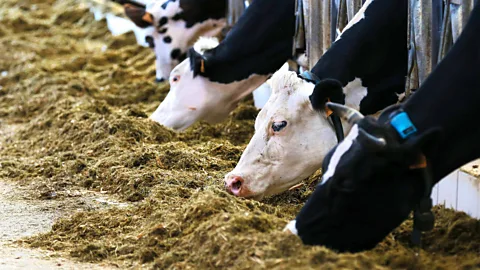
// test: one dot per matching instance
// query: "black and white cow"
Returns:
(210, 83)
(291, 138)
(178, 24)
(372, 180)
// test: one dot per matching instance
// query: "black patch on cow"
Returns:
(197, 11)
(176, 53)
(163, 20)
(196, 61)
(164, 5)
(373, 50)
(162, 30)
(149, 40)
(259, 43)
(177, 16)
(167, 39)
(183, 56)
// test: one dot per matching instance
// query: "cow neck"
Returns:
(449, 100)
(194, 11)
(259, 43)
(373, 50)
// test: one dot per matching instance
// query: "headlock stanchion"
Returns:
(322, 19)
(318, 26)
(433, 27)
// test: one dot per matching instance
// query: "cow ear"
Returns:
(327, 90)
(197, 62)
(138, 15)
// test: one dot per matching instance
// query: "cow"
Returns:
(178, 24)
(210, 83)
(369, 59)
(380, 172)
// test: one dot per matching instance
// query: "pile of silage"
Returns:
(79, 100)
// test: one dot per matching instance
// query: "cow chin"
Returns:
(261, 185)
(176, 120)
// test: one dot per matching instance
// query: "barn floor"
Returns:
(78, 100)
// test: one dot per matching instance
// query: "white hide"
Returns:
(181, 37)
(193, 99)
(275, 161)
(292, 227)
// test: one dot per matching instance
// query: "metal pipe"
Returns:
(235, 10)
(342, 19)
(318, 26)
(459, 12)
(353, 6)
(446, 33)
(422, 33)
(299, 39)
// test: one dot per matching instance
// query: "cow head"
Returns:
(173, 35)
(290, 140)
(370, 184)
(193, 97)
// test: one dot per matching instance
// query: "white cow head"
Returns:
(172, 36)
(289, 144)
(193, 98)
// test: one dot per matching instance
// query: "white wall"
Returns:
(460, 190)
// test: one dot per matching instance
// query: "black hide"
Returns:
(197, 11)
(373, 50)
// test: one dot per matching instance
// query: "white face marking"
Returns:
(358, 17)
(177, 35)
(275, 161)
(341, 149)
(292, 227)
(192, 99)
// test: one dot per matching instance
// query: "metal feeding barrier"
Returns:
(433, 27)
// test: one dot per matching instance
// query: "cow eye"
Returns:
(277, 126)
(176, 78)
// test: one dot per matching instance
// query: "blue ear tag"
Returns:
(401, 122)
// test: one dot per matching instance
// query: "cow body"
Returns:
(258, 45)
(177, 25)
(369, 60)
(373, 179)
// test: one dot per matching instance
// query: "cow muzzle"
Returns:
(235, 185)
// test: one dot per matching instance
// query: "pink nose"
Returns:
(233, 184)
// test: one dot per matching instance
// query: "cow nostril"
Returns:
(236, 184)
(159, 80)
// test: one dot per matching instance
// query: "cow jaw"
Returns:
(276, 160)
(192, 99)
